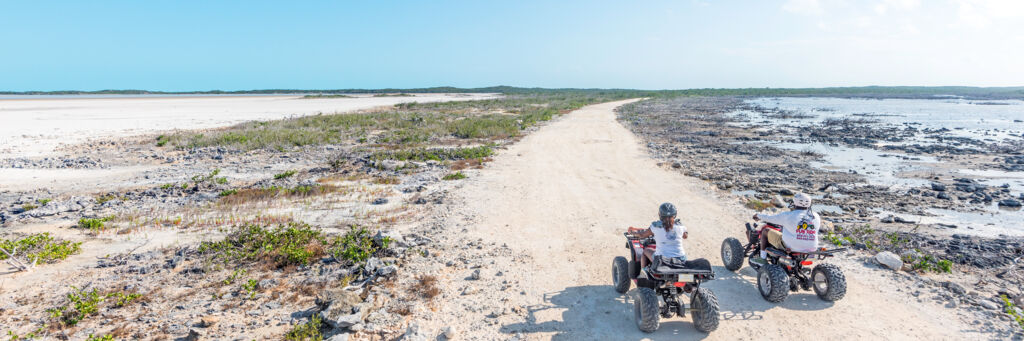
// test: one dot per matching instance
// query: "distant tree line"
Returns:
(860, 92)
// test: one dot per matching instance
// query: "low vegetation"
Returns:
(81, 304)
(1012, 310)
(95, 225)
(210, 178)
(405, 126)
(434, 154)
(868, 238)
(284, 175)
(289, 244)
(326, 96)
(38, 248)
(309, 331)
(239, 196)
(454, 176)
(427, 286)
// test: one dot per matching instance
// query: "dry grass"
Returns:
(246, 195)
(477, 163)
(427, 286)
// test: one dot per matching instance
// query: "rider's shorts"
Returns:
(775, 238)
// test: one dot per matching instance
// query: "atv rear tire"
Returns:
(773, 283)
(732, 254)
(705, 310)
(634, 269)
(646, 310)
(620, 274)
(828, 282)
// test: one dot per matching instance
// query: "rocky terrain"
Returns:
(697, 137)
(366, 238)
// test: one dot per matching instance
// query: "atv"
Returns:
(668, 281)
(785, 270)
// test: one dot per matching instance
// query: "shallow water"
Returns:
(962, 118)
(965, 118)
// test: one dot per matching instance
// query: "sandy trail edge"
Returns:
(562, 197)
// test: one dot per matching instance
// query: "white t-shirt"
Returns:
(670, 243)
(799, 228)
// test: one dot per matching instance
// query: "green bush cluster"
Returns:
(435, 154)
(286, 174)
(931, 263)
(209, 178)
(454, 176)
(1012, 310)
(82, 304)
(162, 140)
(291, 244)
(40, 247)
(309, 331)
(94, 224)
(357, 245)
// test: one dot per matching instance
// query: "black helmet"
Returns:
(667, 210)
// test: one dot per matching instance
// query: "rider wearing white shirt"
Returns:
(668, 236)
(799, 227)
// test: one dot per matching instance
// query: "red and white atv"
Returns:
(668, 282)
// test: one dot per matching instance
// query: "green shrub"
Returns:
(1012, 310)
(40, 247)
(121, 299)
(291, 244)
(29, 207)
(435, 154)
(356, 246)
(228, 192)
(105, 198)
(309, 331)
(284, 175)
(43, 202)
(162, 140)
(94, 224)
(209, 178)
(250, 287)
(758, 205)
(166, 186)
(81, 304)
(933, 264)
(454, 176)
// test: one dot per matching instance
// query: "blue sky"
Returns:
(203, 45)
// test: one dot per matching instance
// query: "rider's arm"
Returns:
(778, 219)
(639, 232)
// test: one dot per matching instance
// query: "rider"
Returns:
(668, 236)
(799, 228)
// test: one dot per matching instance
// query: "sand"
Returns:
(34, 127)
(562, 198)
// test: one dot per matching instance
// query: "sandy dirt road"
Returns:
(559, 200)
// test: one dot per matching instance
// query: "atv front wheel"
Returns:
(829, 282)
(773, 282)
(732, 254)
(620, 274)
(646, 310)
(705, 310)
(634, 269)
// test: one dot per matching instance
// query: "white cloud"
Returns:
(803, 7)
(983, 14)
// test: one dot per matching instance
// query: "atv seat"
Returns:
(699, 266)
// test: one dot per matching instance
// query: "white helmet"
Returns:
(802, 200)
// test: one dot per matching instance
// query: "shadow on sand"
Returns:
(598, 312)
